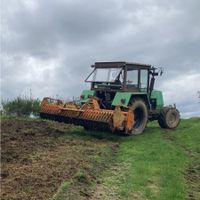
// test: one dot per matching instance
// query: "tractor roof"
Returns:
(120, 64)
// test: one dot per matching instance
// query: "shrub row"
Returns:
(21, 107)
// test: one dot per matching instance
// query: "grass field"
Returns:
(159, 164)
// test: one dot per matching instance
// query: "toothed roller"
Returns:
(89, 115)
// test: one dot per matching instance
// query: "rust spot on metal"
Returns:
(118, 118)
(130, 120)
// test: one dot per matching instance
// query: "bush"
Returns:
(21, 107)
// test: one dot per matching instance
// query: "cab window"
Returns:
(143, 79)
(132, 78)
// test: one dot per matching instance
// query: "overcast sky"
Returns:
(48, 45)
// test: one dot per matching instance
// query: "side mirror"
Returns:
(152, 82)
(161, 71)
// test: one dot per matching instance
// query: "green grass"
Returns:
(3, 116)
(153, 165)
(61, 191)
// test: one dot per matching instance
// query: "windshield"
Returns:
(107, 75)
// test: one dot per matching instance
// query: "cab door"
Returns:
(143, 80)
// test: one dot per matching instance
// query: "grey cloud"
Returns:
(55, 23)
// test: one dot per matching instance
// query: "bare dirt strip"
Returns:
(37, 157)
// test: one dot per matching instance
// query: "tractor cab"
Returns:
(121, 76)
(109, 80)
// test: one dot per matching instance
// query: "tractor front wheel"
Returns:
(169, 118)
(140, 116)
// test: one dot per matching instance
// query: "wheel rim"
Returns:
(173, 119)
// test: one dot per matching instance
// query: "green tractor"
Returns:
(122, 97)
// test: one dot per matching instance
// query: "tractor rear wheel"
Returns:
(169, 118)
(140, 116)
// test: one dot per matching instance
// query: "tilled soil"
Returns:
(38, 156)
(193, 180)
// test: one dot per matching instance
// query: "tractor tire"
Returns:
(169, 118)
(141, 116)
